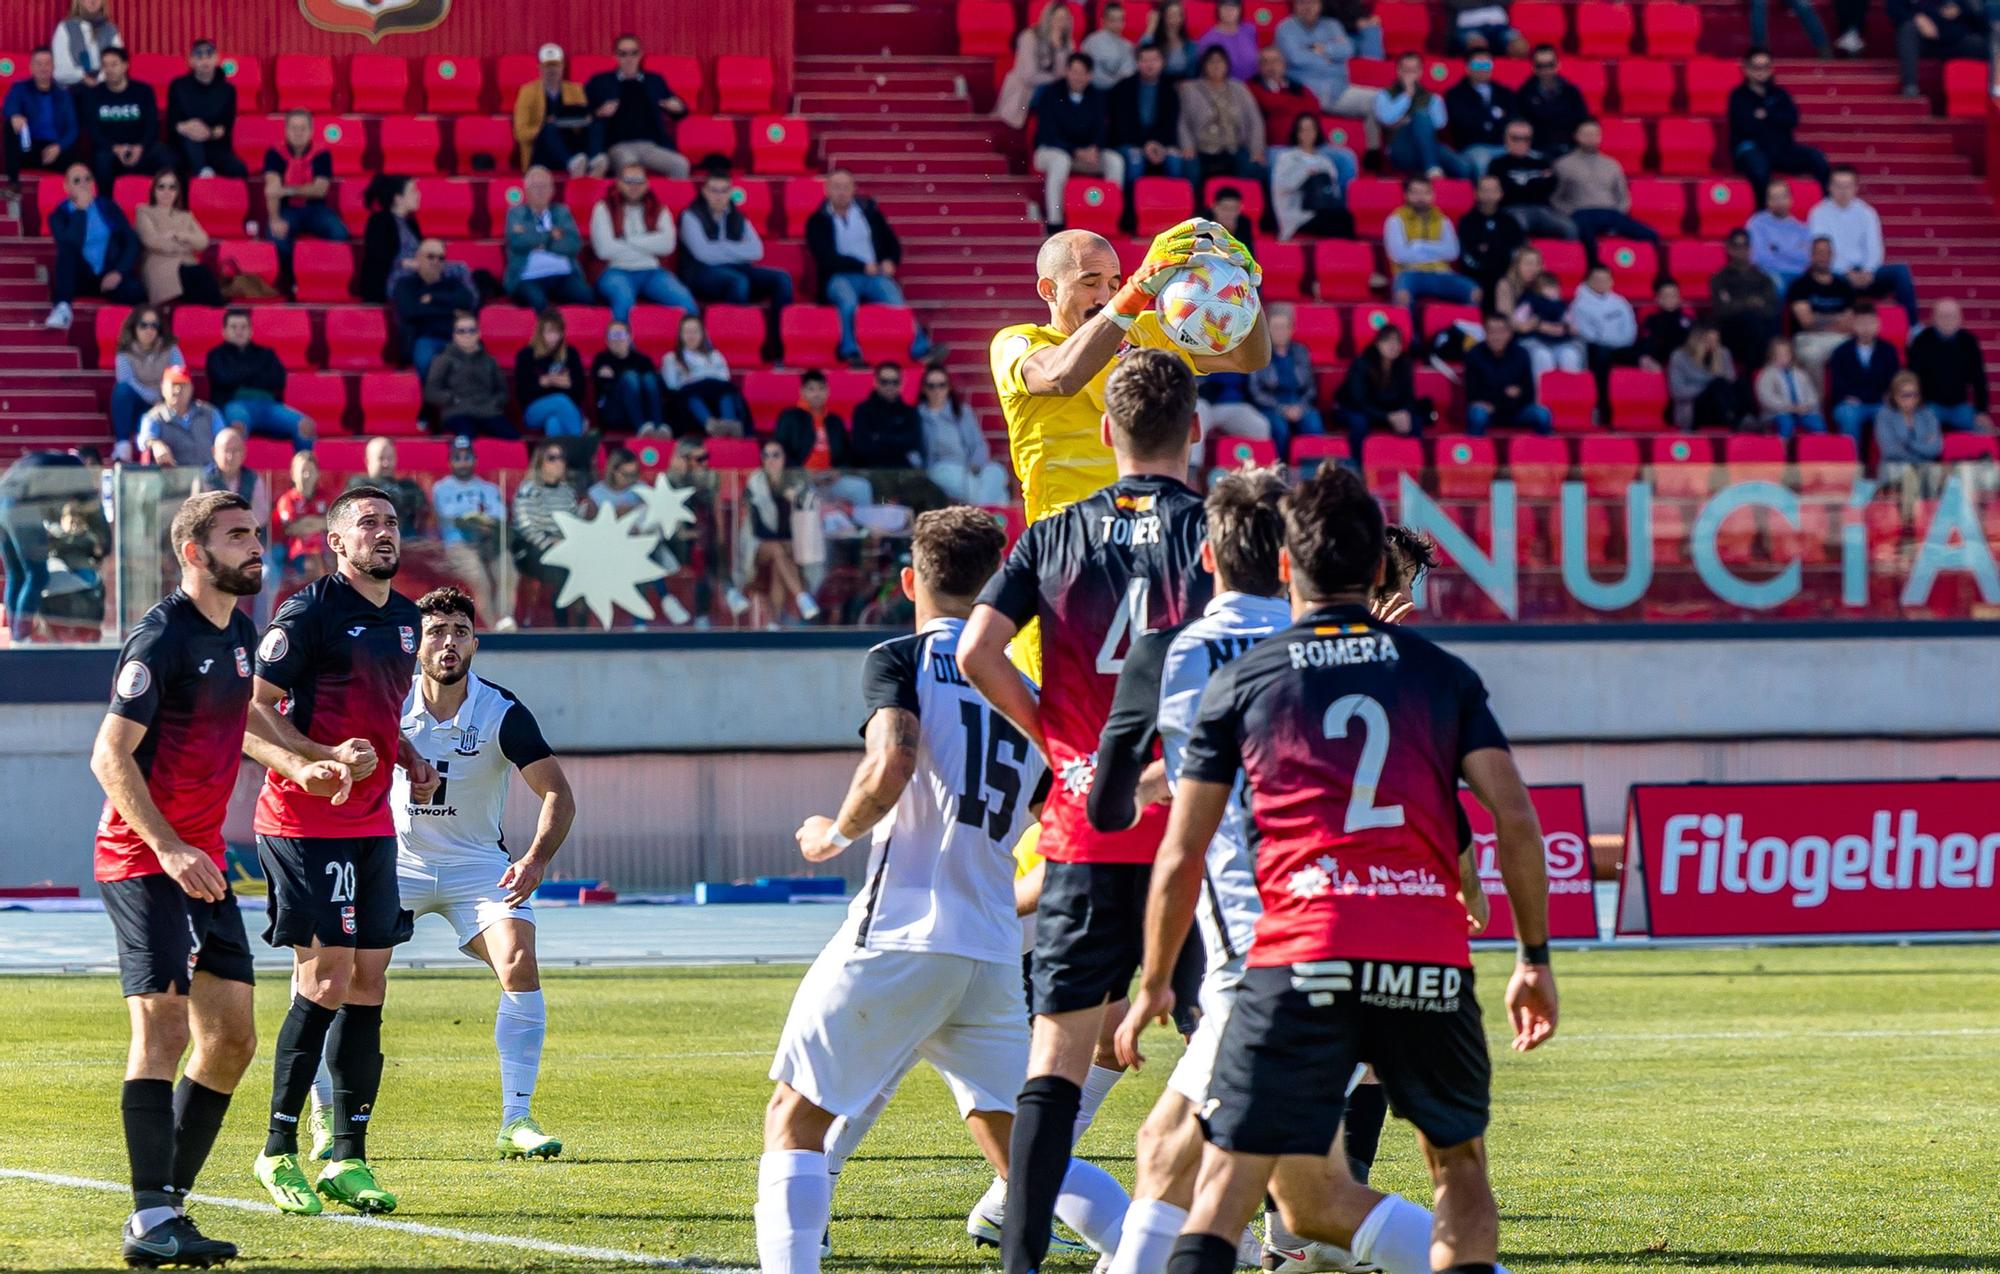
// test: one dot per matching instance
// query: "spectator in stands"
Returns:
(1308, 183)
(466, 386)
(618, 489)
(1952, 370)
(1666, 328)
(1378, 394)
(1500, 384)
(1941, 29)
(1412, 118)
(1479, 112)
(1284, 388)
(180, 429)
(549, 380)
(298, 176)
(1609, 329)
(886, 432)
(201, 115)
(632, 233)
(544, 492)
(1487, 237)
(1145, 109)
(298, 524)
(698, 375)
(122, 119)
(767, 560)
(1847, 219)
(1542, 322)
(1787, 398)
(630, 107)
(1231, 35)
(1780, 244)
(1041, 54)
(720, 250)
(1422, 246)
(390, 239)
(1822, 306)
(1762, 120)
(1760, 23)
(543, 245)
(42, 128)
(247, 382)
(956, 454)
(1528, 185)
(1591, 192)
(1553, 107)
(1518, 283)
(812, 436)
(470, 513)
(1227, 212)
(1480, 26)
(1746, 304)
(856, 255)
(405, 495)
(146, 349)
(1223, 408)
(552, 118)
(97, 253)
(80, 40)
(427, 305)
(1167, 31)
(1859, 372)
(1111, 54)
(1283, 99)
(1073, 134)
(1701, 381)
(1317, 49)
(174, 242)
(225, 472)
(1906, 431)
(631, 397)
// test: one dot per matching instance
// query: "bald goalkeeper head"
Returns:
(1076, 272)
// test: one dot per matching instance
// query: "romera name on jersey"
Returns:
(1348, 644)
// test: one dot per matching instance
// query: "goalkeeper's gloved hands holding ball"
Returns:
(1171, 251)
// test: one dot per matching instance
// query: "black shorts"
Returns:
(164, 936)
(1297, 1031)
(340, 890)
(1090, 934)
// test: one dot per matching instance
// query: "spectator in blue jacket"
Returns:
(41, 120)
(97, 251)
(1284, 388)
(542, 247)
(1858, 374)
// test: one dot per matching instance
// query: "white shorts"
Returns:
(465, 891)
(860, 1015)
(1217, 996)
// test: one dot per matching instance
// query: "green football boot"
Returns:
(352, 1182)
(287, 1184)
(523, 1138)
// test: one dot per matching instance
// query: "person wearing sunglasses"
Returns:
(427, 302)
(1906, 431)
(543, 493)
(1552, 105)
(97, 251)
(146, 349)
(174, 242)
(467, 387)
(630, 107)
(886, 432)
(632, 233)
(960, 461)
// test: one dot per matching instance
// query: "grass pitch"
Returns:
(1781, 1110)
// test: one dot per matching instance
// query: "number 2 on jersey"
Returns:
(1362, 811)
(1128, 621)
(987, 768)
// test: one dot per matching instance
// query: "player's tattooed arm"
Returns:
(885, 770)
(111, 760)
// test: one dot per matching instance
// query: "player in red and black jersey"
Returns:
(1352, 736)
(332, 673)
(167, 755)
(1107, 569)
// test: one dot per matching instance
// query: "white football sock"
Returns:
(1396, 1235)
(794, 1204)
(1093, 1204)
(1149, 1232)
(993, 1203)
(843, 1138)
(323, 1086)
(518, 1029)
(1096, 1087)
(146, 1218)
(1275, 1233)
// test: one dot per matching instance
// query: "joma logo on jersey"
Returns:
(1142, 530)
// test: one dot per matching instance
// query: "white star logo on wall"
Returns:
(666, 505)
(606, 562)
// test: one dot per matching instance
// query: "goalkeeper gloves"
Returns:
(1171, 251)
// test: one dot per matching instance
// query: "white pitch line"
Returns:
(407, 1227)
(1668, 1037)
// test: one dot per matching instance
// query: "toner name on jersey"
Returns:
(474, 752)
(1104, 571)
(1351, 736)
(941, 869)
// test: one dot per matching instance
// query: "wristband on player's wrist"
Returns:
(1535, 953)
(838, 841)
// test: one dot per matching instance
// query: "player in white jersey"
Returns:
(451, 854)
(928, 960)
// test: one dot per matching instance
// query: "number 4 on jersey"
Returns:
(1126, 623)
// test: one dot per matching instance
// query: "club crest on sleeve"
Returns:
(242, 662)
(409, 636)
(275, 646)
(134, 679)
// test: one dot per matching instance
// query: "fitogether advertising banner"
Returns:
(1754, 860)
(1566, 841)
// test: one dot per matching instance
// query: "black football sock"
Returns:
(1202, 1254)
(1044, 1124)
(148, 1107)
(198, 1112)
(300, 1041)
(1367, 1107)
(354, 1059)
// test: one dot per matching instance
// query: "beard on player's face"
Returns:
(447, 676)
(379, 560)
(246, 580)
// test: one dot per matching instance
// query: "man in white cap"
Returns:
(552, 118)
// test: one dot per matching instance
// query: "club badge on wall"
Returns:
(375, 18)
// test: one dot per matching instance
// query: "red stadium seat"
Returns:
(305, 81)
(1454, 196)
(1159, 202)
(1091, 204)
(1385, 458)
(341, 455)
(246, 72)
(350, 201)
(501, 194)
(778, 144)
(581, 195)
(455, 85)
(656, 330)
(1634, 263)
(1692, 263)
(270, 454)
(13, 66)
(320, 395)
(1591, 79)
(1284, 266)
(1571, 398)
(512, 70)
(429, 457)
(1827, 463)
(1603, 30)
(736, 455)
(446, 207)
(1317, 327)
(753, 200)
(1249, 192)
(1564, 259)
(104, 331)
(584, 325)
(1311, 450)
(699, 136)
(256, 134)
(1895, 326)
(356, 336)
(506, 328)
(738, 332)
(1687, 148)
(1438, 315)
(1710, 81)
(1539, 466)
(220, 204)
(247, 256)
(1754, 457)
(769, 393)
(985, 28)
(157, 70)
(682, 72)
(1363, 321)
(346, 136)
(1230, 452)
(483, 143)
(1646, 87)
(882, 332)
(802, 198)
(478, 254)
(743, 84)
(1672, 30)
(1720, 205)
(1966, 89)
(1343, 267)
(1540, 22)
(1465, 467)
(129, 191)
(1608, 465)
(323, 270)
(811, 334)
(1681, 465)
(391, 402)
(1625, 140)
(378, 84)
(1638, 399)
(845, 387)
(410, 144)
(1200, 16)
(1370, 200)
(1404, 25)
(1661, 205)
(287, 331)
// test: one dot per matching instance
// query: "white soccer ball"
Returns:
(1210, 306)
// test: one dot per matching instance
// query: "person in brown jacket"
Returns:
(1591, 191)
(552, 118)
(174, 242)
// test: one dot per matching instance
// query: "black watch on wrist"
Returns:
(1535, 953)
